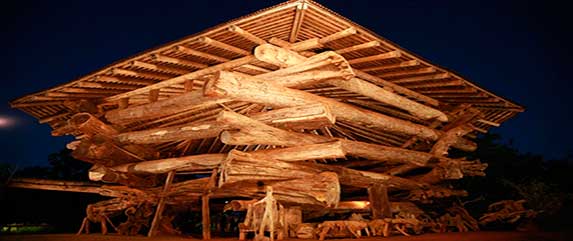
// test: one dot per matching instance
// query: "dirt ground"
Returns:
(474, 236)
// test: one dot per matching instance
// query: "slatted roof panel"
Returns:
(293, 20)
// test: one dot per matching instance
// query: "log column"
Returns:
(379, 201)
(205, 210)
(160, 205)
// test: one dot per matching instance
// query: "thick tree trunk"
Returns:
(253, 132)
(325, 150)
(205, 162)
(242, 166)
(453, 169)
(91, 125)
(177, 104)
(102, 150)
(452, 137)
(244, 175)
(201, 162)
(283, 57)
(298, 117)
(250, 89)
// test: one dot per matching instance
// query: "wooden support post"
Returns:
(206, 218)
(205, 210)
(379, 201)
(160, 205)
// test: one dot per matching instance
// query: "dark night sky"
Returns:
(517, 49)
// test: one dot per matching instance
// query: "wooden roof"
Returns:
(301, 23)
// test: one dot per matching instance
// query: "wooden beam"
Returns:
(279, 42)
(441, 84)
(221, 45)
(491, 123)
(160, 206)
(176, 61)
(451, 137)
(161, 108)
(54, 117)
(354, 48)
(338, 35)
(122, 80)
(207, 162)
(422, 78)
(252, 132)
(145, 75)
(90, 125)
(200, 54)
(404, 64)
(298, 19)
(319, 43)
(246, 35)
(58, 185)
(226, 85)
(33, 104)
(306, 45)
(299, 117)
(384, 56)
(282, 57)
(398, 74)
(154, 67)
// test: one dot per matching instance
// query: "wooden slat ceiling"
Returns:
(293, 22)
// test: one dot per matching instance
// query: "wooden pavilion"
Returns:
(295, 97)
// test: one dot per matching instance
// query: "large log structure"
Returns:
(294, 97)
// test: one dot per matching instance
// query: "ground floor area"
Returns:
(469, 236)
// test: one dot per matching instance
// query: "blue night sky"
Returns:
(518, 49)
